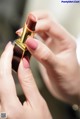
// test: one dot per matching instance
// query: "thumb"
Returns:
(27, 82)
(41, 52)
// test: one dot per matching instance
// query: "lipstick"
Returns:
(20, 48)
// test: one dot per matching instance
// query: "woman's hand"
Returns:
(34, 107)
(60, 68)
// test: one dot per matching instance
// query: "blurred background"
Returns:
(13, 14)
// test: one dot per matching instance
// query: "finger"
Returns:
(6, 58)
(41, 14)
(46, 22)
(27, 82)
(19, 32)
(43, 35)
(41, 52)
(7, 86)
(53, 29)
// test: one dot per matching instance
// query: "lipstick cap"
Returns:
(31, 22)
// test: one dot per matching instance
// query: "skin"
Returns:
(57, 55)
(60, 68)
(34, 106)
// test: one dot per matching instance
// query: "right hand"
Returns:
(60, 68)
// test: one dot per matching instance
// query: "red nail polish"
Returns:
(20, 49)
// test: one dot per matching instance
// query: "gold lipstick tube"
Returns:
(20, 48)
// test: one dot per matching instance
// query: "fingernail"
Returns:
(8, 44)
(31, 43)
(26, 63)
(19, 31)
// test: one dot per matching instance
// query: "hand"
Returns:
(60, 68)
(34, 107)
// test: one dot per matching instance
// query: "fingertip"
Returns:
(24, 64)
(32, 43)
(33, 14)
(19, 31)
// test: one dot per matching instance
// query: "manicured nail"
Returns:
(31, 43)
(25, 63)
(19, 32)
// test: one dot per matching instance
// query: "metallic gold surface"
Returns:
(25, 34)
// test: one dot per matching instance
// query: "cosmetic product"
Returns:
(20, 48)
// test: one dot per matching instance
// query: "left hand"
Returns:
(35, 106)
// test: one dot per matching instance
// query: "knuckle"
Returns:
(48, 14)
(27, 79)
(45, 56)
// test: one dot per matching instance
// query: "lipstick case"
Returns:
(20, 48)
